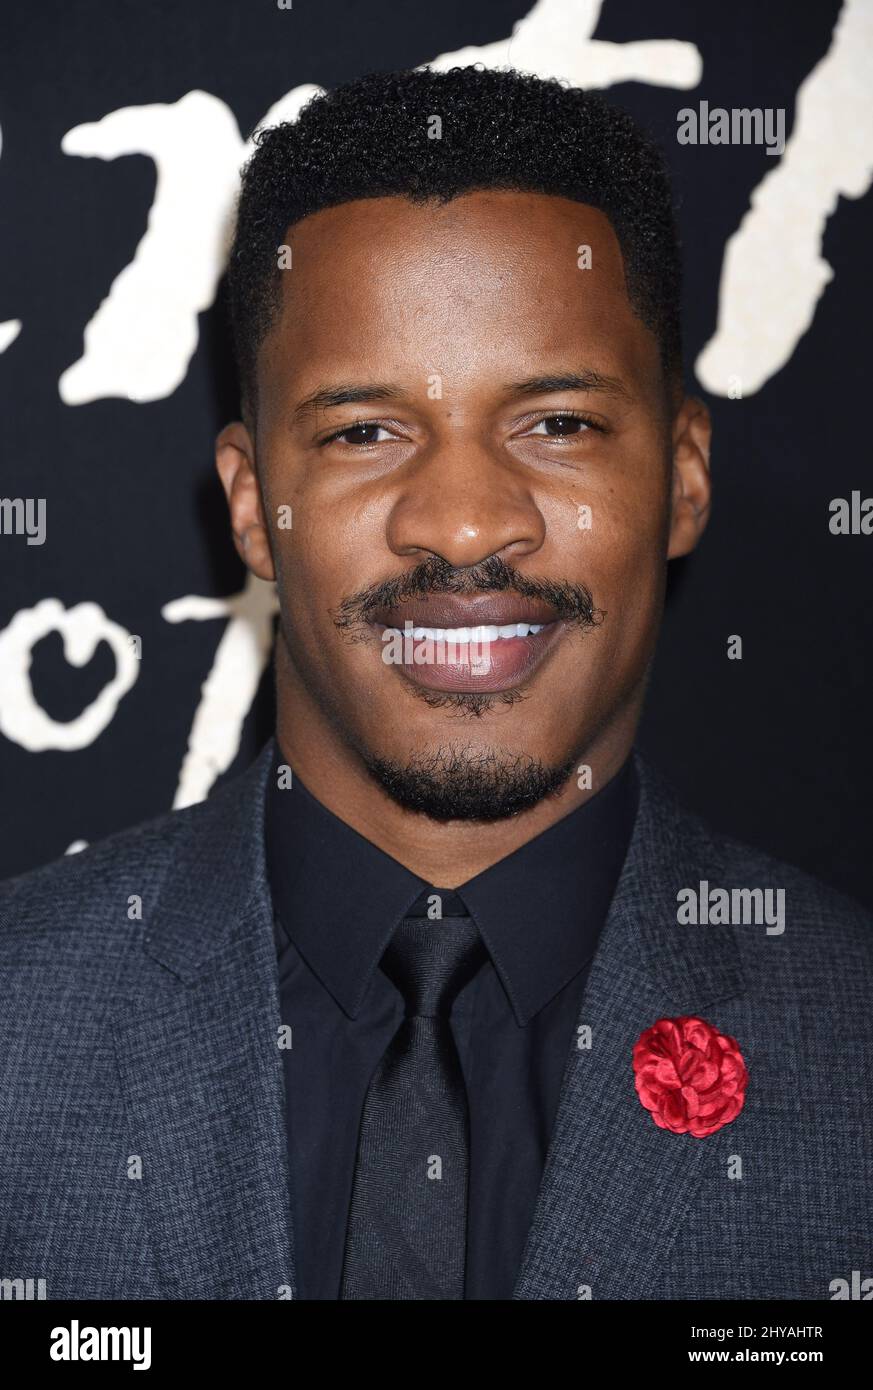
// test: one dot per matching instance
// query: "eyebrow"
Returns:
(357, 394)
(329, 396)
(569, 381)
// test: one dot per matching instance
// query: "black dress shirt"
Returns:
(337, 899)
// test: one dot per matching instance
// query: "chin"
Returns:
(469, 784)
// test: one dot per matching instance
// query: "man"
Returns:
(446, 997)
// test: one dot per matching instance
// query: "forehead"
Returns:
(490, 282)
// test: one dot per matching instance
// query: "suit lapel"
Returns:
(615, 1186)
(200, 1066)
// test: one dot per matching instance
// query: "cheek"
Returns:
(618, 549)
(610, 534)
(632, 574)
(307, 552)
(304, 561)
(322, 561)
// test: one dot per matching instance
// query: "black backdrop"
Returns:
(774, 747)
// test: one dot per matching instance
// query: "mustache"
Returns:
(571, 603)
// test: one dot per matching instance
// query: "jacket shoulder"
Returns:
(82, 895)
(824, 928)
(828, 933)
(85, 904)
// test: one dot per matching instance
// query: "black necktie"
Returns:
(406, 1236)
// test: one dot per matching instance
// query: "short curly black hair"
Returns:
(500, 129)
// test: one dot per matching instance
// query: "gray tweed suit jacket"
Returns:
(142, 1116)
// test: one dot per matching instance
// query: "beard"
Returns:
(453, 782)
(459, 784)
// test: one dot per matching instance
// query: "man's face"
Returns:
(507, 458)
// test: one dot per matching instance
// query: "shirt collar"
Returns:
(539, 910)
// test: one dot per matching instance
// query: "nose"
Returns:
(464, 503)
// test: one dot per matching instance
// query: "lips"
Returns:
(483, 644)
(454, 611)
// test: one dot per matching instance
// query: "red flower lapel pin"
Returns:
(690, 1076)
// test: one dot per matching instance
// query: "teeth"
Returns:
(486, 633)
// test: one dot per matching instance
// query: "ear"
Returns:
(690, 489)
(235, 461)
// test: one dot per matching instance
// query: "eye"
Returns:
(561, 425)
(363, 432)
